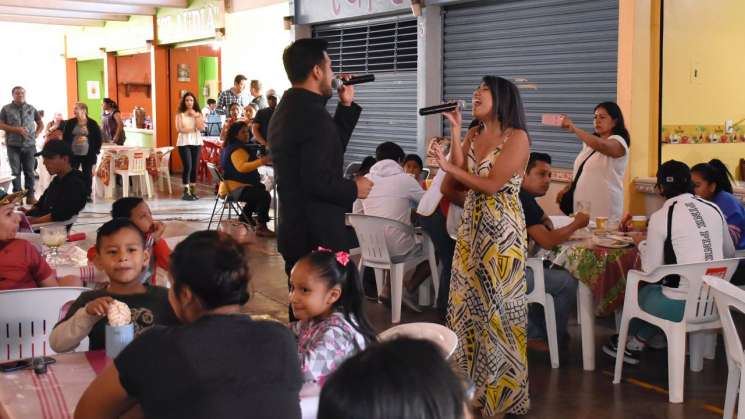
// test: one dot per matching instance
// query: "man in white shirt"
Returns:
(393, 196)
(698, 232)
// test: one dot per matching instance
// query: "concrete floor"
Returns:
(566, 392)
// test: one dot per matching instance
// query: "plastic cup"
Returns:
(639, 222)
(117, 338)
(601, 223)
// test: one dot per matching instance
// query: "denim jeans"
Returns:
(22, 159)
(562, 286)
(435, 226)
(653, 301)
(190, 162)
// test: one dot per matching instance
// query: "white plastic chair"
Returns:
(727, 296)
(539, 296)
(700, 316)
(438, 334)
(136, 166)
(370, 232)
(27, 317)
(164, 167)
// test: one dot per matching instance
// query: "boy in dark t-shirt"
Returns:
(559, 283)
(120, 252)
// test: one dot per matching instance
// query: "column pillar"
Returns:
(429, 73)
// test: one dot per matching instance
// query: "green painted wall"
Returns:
(207, 73)
(91, 71)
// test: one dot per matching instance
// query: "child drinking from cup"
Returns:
(326, 298)
(120, 252)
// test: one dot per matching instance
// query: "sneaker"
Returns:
(657, 342)
(630, 357)
(186, 196)
(192, 190)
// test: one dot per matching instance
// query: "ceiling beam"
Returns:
(50, 20)
(23, 11)
(82, 6)
(151, 3)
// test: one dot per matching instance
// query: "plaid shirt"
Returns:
(227, 98)
(20, 116)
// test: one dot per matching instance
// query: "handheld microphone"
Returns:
(445, 107)
(337, 83)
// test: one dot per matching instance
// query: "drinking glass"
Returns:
(583, 206)
(613, 224)
(53, 237)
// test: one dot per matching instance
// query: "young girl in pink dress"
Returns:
(326, 298)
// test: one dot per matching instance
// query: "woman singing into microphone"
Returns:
(487, 308)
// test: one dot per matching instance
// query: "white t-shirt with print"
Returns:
(601, 182)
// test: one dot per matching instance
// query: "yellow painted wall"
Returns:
(707, 37)
(691, 154)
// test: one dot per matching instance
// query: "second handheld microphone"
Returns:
(445, 107)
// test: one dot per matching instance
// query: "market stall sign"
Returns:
(313, 11)
(199, 21)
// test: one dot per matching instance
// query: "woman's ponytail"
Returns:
(352, 302)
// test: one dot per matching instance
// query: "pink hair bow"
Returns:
(341, 257)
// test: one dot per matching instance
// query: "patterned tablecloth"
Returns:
(602, 269)
(54, 395)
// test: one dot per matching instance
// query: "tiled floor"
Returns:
(566, 392)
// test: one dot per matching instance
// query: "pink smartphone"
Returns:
(552, 119)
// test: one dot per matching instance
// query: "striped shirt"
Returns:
(227, 98)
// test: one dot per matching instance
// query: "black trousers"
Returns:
(85, 164)
(257, 200)
(190, 160)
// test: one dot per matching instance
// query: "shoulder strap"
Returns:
(582, 167)
(669, 252)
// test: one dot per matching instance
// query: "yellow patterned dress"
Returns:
(487, 308)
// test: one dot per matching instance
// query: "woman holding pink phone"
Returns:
(600, 166)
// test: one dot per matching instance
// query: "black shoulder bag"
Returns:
(668, 252)
(567, 201)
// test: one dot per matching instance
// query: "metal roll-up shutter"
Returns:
(568, 49)
(387, 48)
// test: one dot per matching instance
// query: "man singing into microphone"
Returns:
(307, 146)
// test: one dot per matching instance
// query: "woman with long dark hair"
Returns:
(240, 165)
(111, 122)
(713, 182)
(189, 124)
(604, 155)
(84, 136)
(487, 308)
